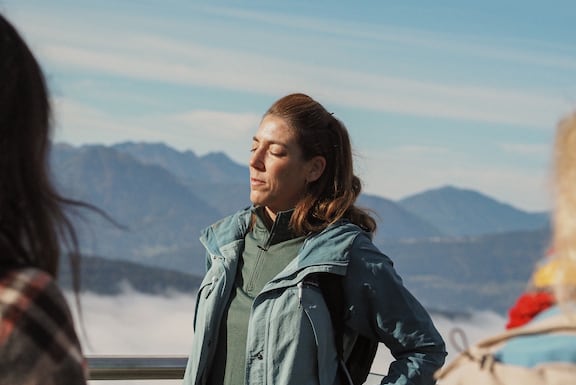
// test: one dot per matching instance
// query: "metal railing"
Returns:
(136, 367)
(147, 368)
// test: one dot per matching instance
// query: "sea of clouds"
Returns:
(161, 325)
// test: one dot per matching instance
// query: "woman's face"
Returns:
(278, 172)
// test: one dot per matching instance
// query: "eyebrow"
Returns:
(255, 139)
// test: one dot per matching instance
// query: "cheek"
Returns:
(292, 178)
(286, 175)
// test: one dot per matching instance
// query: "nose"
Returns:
(256, 159)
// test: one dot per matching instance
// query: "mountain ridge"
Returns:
(460, 212)
(165, 200)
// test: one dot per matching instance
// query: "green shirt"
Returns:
(268, 250)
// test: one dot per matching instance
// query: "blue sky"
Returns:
(432, 93)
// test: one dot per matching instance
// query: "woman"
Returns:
(262, 316)
(540, 346)
(530, 351)
(38, 344)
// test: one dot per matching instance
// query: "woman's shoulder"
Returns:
(365, 250)
(227, 229)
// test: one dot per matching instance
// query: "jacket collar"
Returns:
(273, 232)
(329, 248)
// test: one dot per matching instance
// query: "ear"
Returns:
(315, 168)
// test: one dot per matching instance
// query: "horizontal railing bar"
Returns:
(117, 367)
(136, 367)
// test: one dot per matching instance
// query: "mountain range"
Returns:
(448, 243)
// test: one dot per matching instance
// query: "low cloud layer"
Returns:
(139, 324)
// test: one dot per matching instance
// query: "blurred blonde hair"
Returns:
(564, 216)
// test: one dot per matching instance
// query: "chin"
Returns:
(255, 201)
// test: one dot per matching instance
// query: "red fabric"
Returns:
(527, 307)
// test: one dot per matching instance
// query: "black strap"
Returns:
(333, 293)
(357, 367)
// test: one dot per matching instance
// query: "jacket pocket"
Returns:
(204, 292)
(205, 303)
(318, 315)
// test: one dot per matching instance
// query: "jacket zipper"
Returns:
(259, 260)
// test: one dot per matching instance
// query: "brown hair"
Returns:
(332, 196)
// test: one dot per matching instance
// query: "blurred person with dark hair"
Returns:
(38, 343)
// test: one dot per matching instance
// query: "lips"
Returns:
(256, 182)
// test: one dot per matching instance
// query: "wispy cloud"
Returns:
(142, 55)
(470, 45)
(219, 124)
(538, 150)
(203, 131)
(413, 150)
(399, 172)
(80, 123)
(198, 65)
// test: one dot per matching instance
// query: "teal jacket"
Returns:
(290, 338)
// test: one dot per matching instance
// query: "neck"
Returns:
(271, 215)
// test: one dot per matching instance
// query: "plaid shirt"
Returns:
(38, 344)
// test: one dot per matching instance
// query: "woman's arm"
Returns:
(380, 307)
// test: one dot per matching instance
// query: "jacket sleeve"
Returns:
(380, 307)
